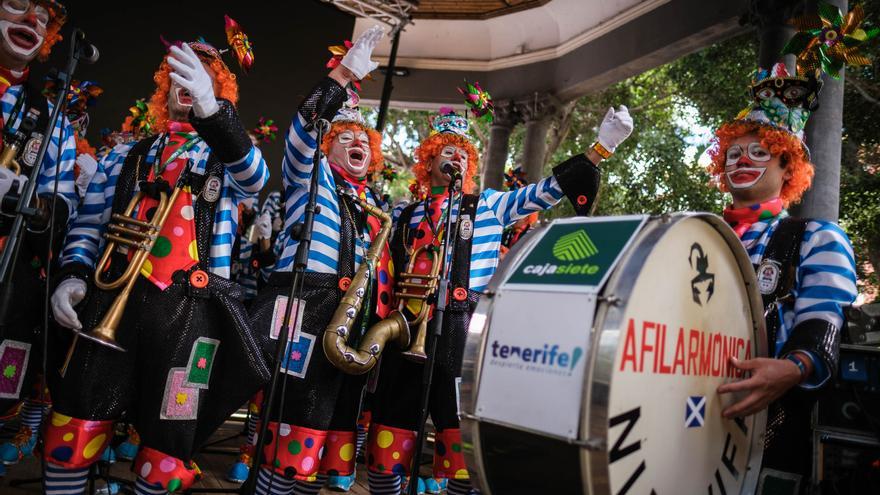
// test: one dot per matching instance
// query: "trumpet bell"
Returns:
(102, 335)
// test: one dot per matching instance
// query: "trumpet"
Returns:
(124, 230)
(419, 287)
(394, 328)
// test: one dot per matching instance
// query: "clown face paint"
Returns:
(180, 101)
(752, 173)
(22, 32)
(457, 156)
(351, 151)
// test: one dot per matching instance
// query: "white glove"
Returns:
(87, 166)
(68, 294)
(357, 60)
(191, 75)
(264, 226)
(615, 128)
(9, 181)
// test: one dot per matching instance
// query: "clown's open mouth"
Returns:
(23, 38)
(184, 98)
(356, 156)
(745, 177)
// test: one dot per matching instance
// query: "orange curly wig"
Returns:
(225, 87)
(377, 160)
(53, 33)
(430, 148)
(794, 157)
(83, 146)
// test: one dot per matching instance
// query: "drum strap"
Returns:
(783, 253)
(460, 275)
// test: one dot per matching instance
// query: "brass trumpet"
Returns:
(414, 286)
(124, 230)
(394, 328)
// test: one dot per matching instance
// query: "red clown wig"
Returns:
(431, 147)
(53, 31)
(377, 160)
(794, 157)
(225, 87)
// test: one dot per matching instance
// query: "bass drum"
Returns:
(592, 361)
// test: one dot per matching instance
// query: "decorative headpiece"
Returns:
(81, 96)
(265, 130)
(447, 121)
(829, 40)
(241, 45)
(478, 101)
(782, 100)
(141, 121)
(202, 48)
(515, 179)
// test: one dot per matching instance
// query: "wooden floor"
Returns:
(214, 463)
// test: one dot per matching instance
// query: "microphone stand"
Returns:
(436, 330)
(303, 232)
(24, 212)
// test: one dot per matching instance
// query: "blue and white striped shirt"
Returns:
(242, 178)
(299, 153)
(51, 166)
(825, 280)
(274, 207)
(495, 211)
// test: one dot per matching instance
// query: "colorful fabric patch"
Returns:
(695, 411)
(14, 357)
(75, 443)
(161, 469)
(180, 402)
(390, 449)
(201, 360)
(299, 353)
(299, 452)
(339, 451)
(448, 456)
(278, 318)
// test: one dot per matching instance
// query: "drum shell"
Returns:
(591, 449)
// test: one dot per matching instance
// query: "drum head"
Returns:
(679, 307)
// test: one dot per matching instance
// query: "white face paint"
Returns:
(740, 166)
(22, 32)
(351, 151)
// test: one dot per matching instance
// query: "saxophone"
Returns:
(394, 328)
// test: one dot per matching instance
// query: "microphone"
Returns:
(86, 52)
(449, 168)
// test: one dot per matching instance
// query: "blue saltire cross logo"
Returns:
(695, 411)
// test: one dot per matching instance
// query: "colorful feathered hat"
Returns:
(447, 121)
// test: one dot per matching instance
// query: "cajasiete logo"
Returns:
(576, 246)
(549, 358)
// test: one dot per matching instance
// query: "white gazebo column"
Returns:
(499, 146)
(537, 112)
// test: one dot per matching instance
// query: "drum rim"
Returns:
(594, 416)
(471, 369)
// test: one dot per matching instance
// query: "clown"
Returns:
(190, 358)
(320, 411)
(28, 31)
(479, 220)
(805, 267)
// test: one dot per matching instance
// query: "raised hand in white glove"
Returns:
(615, 128)
(357, 60)
(68, 294)
(87, 166)
(264, 226)
(190, 74)
(10, 181)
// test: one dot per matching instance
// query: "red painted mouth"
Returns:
(23, 38)
(183, 97)
(356, 156)
(744, 176)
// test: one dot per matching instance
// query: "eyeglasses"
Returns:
(21, 7)
(754, 150)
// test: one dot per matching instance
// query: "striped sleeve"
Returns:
(84, 241)
(299, 151)
(826, 278)
(510, 206)
(272, 205)
(249, 173)
(58, 164)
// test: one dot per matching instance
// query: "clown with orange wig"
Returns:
(320, 411)
(805, 267)
(28, 31)
(190, 359)
(480, 220)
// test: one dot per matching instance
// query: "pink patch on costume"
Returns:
(180, 402)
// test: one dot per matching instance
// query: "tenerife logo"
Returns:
(549, 358)
(574, 247)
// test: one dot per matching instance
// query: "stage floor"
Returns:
(213, 464)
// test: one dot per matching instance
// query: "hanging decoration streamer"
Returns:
(478, 101)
